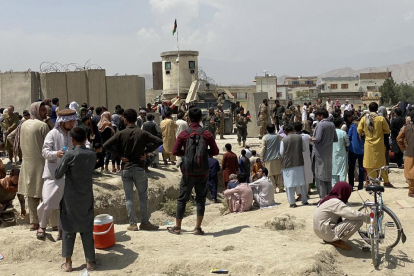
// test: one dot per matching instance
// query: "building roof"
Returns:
(340, 79)
(375, 76)
(300, 78)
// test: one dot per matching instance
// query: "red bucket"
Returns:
(103, 231)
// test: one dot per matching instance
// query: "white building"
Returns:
(184, 70)
(267, 84)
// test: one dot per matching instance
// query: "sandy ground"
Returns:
(240, 243)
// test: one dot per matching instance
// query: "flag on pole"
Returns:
(175, 27)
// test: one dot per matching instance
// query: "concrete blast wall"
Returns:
(97, 88)
(53, 85)
(76, 83)
(127, 91)
(253, 102)
(19, 89)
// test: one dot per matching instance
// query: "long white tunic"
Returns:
(181, 126)
(293, 176)
(306, 159)
(265, 190)
(53, 189)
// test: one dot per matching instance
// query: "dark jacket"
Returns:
(132, 143)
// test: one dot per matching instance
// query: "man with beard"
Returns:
(278, 114)
(263, 118)
(57, 142)
(210, 122)
(29, 137)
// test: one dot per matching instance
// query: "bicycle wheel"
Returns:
(375, 246)
(390, 225)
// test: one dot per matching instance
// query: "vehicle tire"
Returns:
(392, 226)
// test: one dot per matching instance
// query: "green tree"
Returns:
(303, 94)
(389, 92)
(405, 93)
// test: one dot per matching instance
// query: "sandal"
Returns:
(34, 227)
(172, 230)
(198, 231)
(41, 235)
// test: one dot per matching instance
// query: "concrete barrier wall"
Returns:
(127, 91)
(53, 85)
(97, 88)
(253, 102)
(19, 89)
(77, 89)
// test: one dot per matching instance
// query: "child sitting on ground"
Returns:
(77, 207)
(99, 156)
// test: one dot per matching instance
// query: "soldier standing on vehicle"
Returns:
(220, 116)
(220, 99)
(278, 114)
(263, 118)
(241, 124)
(210, 122)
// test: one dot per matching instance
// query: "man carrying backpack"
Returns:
(192, 145)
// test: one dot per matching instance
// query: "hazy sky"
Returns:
(236, 38)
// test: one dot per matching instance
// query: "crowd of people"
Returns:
(326, 143)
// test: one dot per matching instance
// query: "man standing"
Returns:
(169, 129)
(229, 164)
(278, 111)
(241, 124)
(323, 139)
(95, 121)
(141, 119)
(132, 145)
(57, 142)
(244, 165)
(220, 116)
(263, 117)
(188, 182)
(181, 124)
(214, 168)
(329, 105)
(9, 123)
(210, 121)
(347, 106)
(55, 109)
(30, 137)
(263, 192)
(236, 111)
(396, 124)
(289, 114)
(373, 127)
(292, 149)
(272, 157)
(406, 142)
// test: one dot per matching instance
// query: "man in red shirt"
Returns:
(188, 182)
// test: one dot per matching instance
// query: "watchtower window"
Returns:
(168, 66)
(191, 64)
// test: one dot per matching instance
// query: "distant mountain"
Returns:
(400, 72)
(148, 80)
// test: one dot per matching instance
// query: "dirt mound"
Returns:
(285, 222)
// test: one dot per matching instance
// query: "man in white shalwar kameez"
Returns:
(263, 191)
(53, 149)
(291, 149)
(306, 159)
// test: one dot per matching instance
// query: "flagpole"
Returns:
(178, 63)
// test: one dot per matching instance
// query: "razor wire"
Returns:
(48, 67)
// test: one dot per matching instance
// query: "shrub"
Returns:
(170, 208)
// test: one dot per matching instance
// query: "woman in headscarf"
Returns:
(335, 222)
(106, 130)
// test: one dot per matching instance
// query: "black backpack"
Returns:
(195, 159)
